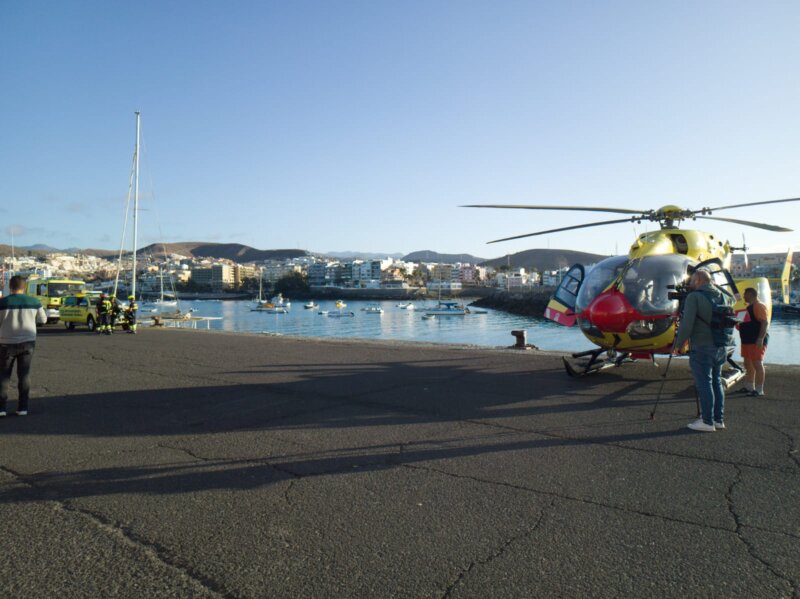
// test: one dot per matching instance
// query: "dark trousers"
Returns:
(22, 353)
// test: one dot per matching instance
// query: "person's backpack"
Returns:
(723, 320)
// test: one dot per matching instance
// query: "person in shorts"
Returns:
(753, 333)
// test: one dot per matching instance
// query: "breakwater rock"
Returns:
(526, 303)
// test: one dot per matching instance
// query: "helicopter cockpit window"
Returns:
(568, 288)
(646, 283)
(599, 277)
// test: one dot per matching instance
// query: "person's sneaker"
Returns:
(699, 425)
(755, 393)
(719, 425)
(2, 414)
(22, 412)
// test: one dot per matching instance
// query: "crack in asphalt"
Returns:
(286, 493)
(544, 433)
(793, 452)
(123, 533)
(497, 552)
(188, 452)
(553, 494)
(747, 544)
(353, 400)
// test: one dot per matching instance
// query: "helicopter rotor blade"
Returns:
(747, 223)
(750, 204)
(553, 207)
(597, 224)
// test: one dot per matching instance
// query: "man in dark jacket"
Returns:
(705, 358)
(19, 315)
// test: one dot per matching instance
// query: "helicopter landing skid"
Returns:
(735, 374)
(594, 364)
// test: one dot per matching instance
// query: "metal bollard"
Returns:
(522, 342)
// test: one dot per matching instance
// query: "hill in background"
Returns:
(544, 259)
(353, 255)
(431, 256)
(541, 259)
(230, 251)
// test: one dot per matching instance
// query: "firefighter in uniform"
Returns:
(104, 315)
(116, 310)
(130, 314)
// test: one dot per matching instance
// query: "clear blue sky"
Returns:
(363, 125)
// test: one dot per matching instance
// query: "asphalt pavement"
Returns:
(180, 463)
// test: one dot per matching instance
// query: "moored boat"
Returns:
(447, 309)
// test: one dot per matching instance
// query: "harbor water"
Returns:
(492, 329)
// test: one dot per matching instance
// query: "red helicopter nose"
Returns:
(610, 312)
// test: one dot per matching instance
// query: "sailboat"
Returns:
(445, 308)
(264, 306)
(177, 317)
(162, 301)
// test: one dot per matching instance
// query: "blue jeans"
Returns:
(706, 363)
(22, 354)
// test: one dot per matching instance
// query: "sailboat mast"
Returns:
(135, 205)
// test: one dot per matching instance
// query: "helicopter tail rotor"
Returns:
(744, 251)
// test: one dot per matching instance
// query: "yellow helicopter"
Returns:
(628, 305)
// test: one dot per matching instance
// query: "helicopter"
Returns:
(629, 305)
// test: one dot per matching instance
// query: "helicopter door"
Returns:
(561, 308)
(720, 277)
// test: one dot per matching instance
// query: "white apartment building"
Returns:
(274, 271)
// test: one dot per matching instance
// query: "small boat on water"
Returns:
(269, 308)
(340, 304)
(280, 302)
(428, 316)
(340, 314)
(447, 309)
(311, 306)
(373, 309)
(407, 306)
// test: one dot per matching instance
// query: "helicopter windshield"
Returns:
(645, 282)
(598, 278)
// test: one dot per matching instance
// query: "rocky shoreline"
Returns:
(524, 303)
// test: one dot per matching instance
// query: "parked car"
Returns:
(80, 309)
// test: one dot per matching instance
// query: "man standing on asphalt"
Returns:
(19, 315)
(754, 337)
(705, 358)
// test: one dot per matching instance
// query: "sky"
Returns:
(364, 125)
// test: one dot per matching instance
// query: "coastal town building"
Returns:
(215, 277)
(274, 270)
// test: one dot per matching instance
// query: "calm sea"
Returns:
(492, 329)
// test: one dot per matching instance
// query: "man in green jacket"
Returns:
(705, 358)
(19, 315)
